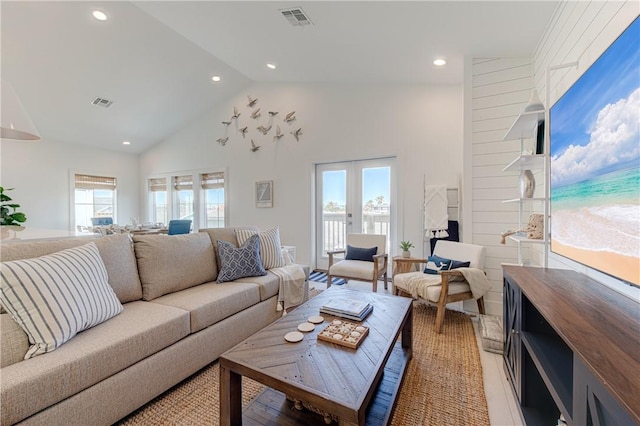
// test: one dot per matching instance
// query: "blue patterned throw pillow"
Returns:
(436, 264)
(240, 262)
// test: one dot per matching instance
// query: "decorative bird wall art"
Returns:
(264, 130)
(297, 134)
(278, 134)
(290, 117)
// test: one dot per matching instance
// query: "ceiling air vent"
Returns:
(296, 16)
(105, 103)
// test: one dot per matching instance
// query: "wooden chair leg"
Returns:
(329, 278)
(480, 302)
(375, 284)
(442, 307)
(385, 280)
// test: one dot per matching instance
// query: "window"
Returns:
(183, 186)
(213, 191)
(158, 200)
(193, 195)
(95, 197)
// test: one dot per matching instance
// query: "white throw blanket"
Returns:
(436, 218)
(477, 280)
(291, 286)
(416, 283)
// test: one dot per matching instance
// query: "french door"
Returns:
(353, 197)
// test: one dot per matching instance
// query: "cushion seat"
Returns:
(419, 284)
(356, 269)
(93, 355)
(268, 284)
(212, 302)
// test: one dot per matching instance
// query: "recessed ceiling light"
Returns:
(215, 78)
(99, 15)
(439, 62)
(271, 66)
(126, 143)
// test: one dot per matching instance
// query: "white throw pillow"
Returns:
(54, 297)
(270, 248)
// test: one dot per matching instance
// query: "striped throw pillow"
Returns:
(54, 297)
(270, 248)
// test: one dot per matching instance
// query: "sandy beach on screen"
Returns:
(625, 267)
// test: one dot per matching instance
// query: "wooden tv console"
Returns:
(572, 347)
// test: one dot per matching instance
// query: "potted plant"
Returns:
(9, 216)
(406, 246)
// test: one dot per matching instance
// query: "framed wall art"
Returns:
(264, 193)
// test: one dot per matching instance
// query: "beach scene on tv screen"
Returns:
(595, 163)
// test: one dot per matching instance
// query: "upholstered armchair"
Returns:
(365, 260)
(443, 285)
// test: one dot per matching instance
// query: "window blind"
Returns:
(157, 184)
(183, 183)
(95, 182)
(213, 180)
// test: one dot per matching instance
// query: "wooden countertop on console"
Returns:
(600, 325)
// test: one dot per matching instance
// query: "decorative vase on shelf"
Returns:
(527, 184)
(406, 253)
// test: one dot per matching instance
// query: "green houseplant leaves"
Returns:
(9, 216)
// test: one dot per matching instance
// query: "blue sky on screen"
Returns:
(586, 122)
(375, 183)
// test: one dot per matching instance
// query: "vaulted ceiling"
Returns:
(155, 60)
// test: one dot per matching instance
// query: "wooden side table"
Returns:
(406, 264)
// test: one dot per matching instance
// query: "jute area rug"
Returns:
(442, 386)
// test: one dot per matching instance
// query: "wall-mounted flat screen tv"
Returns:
(595, 163)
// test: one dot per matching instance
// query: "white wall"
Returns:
(580, 31)
(499, 90)
(40, 173)
(420, 125)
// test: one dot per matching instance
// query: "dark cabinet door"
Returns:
(593, 405)
(512, 343)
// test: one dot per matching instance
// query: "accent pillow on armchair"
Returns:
(359, 253)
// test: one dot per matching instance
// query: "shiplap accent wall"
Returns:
(500, 89)
(580, 31)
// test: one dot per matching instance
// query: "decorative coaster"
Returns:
(293, 336)
(306, 327)
(316, 319)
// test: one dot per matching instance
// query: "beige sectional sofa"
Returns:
(176, 320)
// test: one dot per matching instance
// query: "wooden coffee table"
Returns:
(334, 379)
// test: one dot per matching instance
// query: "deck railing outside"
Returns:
(334, 228)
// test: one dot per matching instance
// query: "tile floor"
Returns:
(503, 410)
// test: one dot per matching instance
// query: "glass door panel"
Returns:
(376, 201)
(352, 196)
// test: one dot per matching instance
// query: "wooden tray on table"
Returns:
(344, 333)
